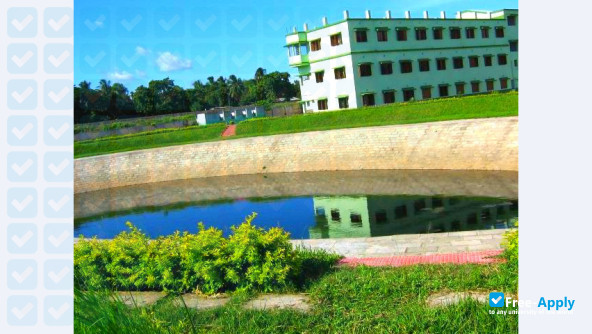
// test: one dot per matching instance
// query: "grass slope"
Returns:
(144, 140)
(478, 106)
(348, 300)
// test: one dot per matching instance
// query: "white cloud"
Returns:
(141, 50)
(168, 62)
(116, 75)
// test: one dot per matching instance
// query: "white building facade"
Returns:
(375, 61)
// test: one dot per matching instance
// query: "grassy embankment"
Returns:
(479, 106)
(344, 300)
(348, 300)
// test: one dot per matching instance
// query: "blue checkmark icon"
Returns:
(496, 299)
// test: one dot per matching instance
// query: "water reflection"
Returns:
(317, 216)
(370, 216)
(309, 205)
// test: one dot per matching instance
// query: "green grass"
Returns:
(121, 124)
(347, 300)
(478, 106)
(144, 140)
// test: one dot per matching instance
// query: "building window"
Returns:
(484, 32)
(457, 62)
(339, 73)
(380, 217)
(402, 34)
(487, 60)
(473, 61)
(343, 102)
(438, 32)
(408, 94)
(356, 219)
(365, 70)
(315, 45)
(470, 32)
(303, 78)
(319, 76)
(511, 20)
(388, 96)
(454, 33)
(386, 68)
(381, 35)
(489, 85)
(406, 66)
(400, 211)
(424, 65)
(426, 92)
(335, 216)
(336, 39)
(419, 205)
(440, 64)
(504, 83)
(502, 59)
(367, 100)
(460, 88)
(421, 34)
(475, 86)
(499, 32)
(322, 104)
(361, 36)
(443, 90)
(320, 212)
(513, 46)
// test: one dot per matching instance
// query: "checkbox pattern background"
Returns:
(36, 163)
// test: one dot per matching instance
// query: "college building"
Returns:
(373, 61)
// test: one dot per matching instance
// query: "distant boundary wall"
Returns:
(476, 144)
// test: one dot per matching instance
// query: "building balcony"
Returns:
(298, 60)
(296, 38)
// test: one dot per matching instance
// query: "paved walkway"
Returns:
(408, 260)
(229, 131)
(299, 301)
(409, 244)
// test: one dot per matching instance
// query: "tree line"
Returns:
(113, 101)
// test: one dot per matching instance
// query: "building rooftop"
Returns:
(472, 14)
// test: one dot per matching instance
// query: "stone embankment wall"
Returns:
(477, 144)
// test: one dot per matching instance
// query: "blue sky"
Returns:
(135, 41)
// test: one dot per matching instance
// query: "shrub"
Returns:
(510, 244)
(251, 258)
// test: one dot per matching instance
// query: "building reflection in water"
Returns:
(370, 216)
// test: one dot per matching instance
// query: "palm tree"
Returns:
(259, 74)
(105, 86)
(236, 88)
(84, 92)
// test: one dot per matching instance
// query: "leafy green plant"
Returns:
(250, 259)
(510, 244)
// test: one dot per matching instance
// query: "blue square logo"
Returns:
(496, 299)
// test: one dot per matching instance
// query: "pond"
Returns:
(308, 205)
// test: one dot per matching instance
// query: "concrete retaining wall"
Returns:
(478, 144)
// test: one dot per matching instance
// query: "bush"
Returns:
(510, 244)
(251, 258)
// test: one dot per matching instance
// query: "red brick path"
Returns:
(407, 260)
(229, 131)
